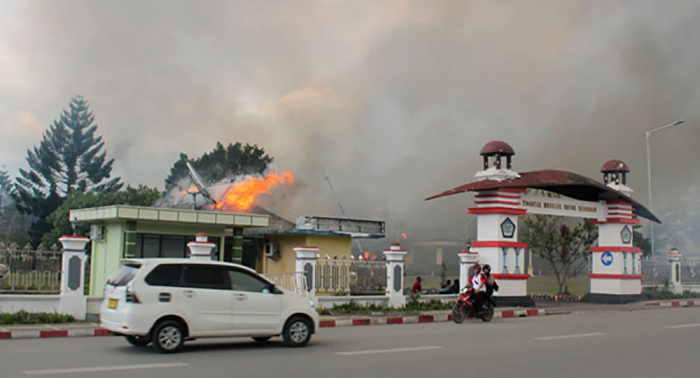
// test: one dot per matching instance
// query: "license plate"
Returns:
(112, 303)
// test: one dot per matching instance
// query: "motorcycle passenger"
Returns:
(478, 282)
(491, 284)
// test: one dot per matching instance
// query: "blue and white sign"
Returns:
(606, 258)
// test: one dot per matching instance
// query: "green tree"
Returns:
(68, 158)
(221, 162)
(563, 248)
(642, 243)
(13, 224)
(60, 219)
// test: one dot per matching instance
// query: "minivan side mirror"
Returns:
(272, 289)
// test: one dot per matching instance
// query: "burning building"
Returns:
(243, 232)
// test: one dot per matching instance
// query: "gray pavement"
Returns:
(658, 343)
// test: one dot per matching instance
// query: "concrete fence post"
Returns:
(73, 300)
(306, 258)
(467, 259)
(674, 257)
(201, 248)
(394, 274)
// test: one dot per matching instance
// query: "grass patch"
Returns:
(23, 317)
(663, 293)
(412, 305)
(548, 285)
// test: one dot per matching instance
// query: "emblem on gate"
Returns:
(626, 235)
(508, 228)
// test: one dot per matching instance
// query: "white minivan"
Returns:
(168, 301)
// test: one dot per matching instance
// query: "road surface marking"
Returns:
(397, 350)
(569, 336)
(683, 326)
(103, 368)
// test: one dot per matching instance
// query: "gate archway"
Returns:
(501, 197)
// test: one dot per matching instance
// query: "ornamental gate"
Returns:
(501, 196)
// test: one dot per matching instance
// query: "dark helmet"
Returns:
(487, 266)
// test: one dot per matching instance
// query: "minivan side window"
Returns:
(165, 275)
(244, 281)
(124, 275)
(206, 277)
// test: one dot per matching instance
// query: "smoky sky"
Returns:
(391, 100)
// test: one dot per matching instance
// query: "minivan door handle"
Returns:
(188, 293)
(241, 297)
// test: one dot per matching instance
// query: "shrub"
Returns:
(23, 317)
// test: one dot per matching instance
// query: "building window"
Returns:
(167, 246)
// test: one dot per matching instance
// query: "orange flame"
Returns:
(241, 195)
(403, 235)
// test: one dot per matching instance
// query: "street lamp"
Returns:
(649, 132)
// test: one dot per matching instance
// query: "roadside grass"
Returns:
(548, 285)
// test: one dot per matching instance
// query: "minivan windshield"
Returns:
(124, 275)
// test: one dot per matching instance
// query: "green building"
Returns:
(119, 232)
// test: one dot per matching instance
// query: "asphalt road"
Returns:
(654, 343)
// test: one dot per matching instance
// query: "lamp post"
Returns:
(651, 208)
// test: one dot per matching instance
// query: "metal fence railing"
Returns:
(30, 270)
(343, 276)
(657, 271)
(690, 270)
(294, 282)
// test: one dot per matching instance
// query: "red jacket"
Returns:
(416, 287)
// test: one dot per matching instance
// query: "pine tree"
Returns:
(69, 158)
(5, 188)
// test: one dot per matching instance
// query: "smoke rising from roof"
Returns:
(390, 100)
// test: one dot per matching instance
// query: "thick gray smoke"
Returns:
(390, 101)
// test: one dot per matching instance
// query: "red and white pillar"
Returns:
(616, 263)
(497, 242)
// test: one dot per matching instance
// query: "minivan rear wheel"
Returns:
(137, 340)
(168, 336)
(297, 331)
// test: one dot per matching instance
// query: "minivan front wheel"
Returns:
(297, 331)
(137, 340)
(168, 336)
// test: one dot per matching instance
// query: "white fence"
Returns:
(30, 270)
(342, 276)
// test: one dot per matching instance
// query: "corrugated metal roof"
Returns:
(565, 183)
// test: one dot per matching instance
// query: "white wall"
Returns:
(41, 303)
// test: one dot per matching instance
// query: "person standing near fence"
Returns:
(417, 286)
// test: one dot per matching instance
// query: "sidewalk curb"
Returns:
(689, 303)
(389, 320)
(46, 334)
